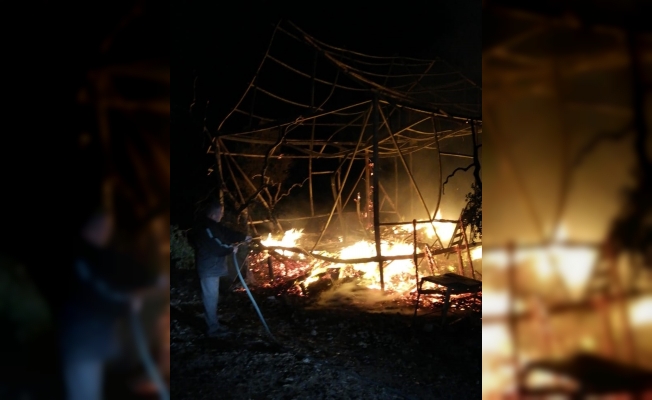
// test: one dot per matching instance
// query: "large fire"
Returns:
(398, 275)
(443, 229)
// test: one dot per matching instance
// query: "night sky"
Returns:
(226, 48)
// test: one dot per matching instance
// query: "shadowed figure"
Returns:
(213, 242)
(105, 287)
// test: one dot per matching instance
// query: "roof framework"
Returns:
(315, 102)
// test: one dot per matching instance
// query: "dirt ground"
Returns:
(336, 352)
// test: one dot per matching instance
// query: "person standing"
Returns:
(213, 242)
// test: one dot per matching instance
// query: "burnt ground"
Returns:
(336, 352)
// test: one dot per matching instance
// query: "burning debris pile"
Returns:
(283, 264)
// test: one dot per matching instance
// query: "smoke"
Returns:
(424, 167)
(352, 295)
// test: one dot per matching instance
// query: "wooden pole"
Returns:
(376, 111)
(218, 158)
(468, 251)
(353, 190)
(335, 189)
(270, 267)
(340, 188)
(250, 183)
(512, 316)
(389, 200)
(412, 189)
(416, 260)
(621, 305)
(396, 186)
(241, 196)
(601, 304)
(409, 172)
(346, 176)
(460, 268)
(367, 180)
(312, 136)
(441, 181)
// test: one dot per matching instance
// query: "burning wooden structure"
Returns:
(374, 133)
(566, 313)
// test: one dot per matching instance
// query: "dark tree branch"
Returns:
(476, 159)
(292, 187)
(454, 172)
(273, 147)
(251, 198)
(610, 136)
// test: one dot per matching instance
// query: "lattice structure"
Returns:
(344, 115)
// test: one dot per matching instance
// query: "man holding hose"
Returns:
(213, 242)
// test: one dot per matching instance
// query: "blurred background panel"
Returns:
(568, 223)
(93, 76)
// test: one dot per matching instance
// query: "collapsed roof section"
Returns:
(321, 95)
(313, 101)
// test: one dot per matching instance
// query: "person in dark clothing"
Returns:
(105, 287)
(213, 242)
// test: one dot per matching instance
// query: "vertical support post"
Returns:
(460, 267)
(270, 267)
(337, 198)
(468, 250)
(412, 190)
(416, 262)
(396, 185)
(375, 192)
(312, 135)
(251, 184)
(340, 207)
(218, 159)
(367, 180)
(601, 304)
(312, 138)
(511, 315)
(346, 176)
(476, 159)
(638, 88)
(621, 306)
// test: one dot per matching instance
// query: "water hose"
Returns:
(146, 357)
(251, 297)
